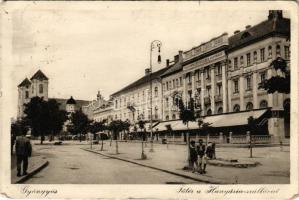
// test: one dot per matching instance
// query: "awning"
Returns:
(233, 119)
(147, 126)
(162, 125)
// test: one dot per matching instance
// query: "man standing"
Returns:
(201, 150)
(23, 151)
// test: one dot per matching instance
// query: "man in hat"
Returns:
(23, 151)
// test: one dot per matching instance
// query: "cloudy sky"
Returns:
(106, 46)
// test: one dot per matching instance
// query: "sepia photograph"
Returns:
(159, 95)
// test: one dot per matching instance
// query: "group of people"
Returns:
(199, 155)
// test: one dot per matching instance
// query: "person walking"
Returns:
(201, 151)
(23, 151)
(193, 156)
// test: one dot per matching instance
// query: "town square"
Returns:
(146, 103)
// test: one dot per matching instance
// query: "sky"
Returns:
(106, 47)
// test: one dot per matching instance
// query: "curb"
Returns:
(32, 173)
(156, 168)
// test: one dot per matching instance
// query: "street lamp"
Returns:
(154, 44)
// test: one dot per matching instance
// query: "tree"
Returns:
(187, 114)
(281, 82)
(141, 124)
(80, 123)
(252, 128)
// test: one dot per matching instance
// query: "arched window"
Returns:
(220, 110)
(278, 50)
(173, 116)
(209, 112)
(263, 104)
(167, 117)
(156, 91)
(41, 89)
(270, 51)
(26, 94)
(167, 102)
(236, 108)
(249, 106)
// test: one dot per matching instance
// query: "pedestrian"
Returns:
(23, 151)
(201, 151)
(214, 150)
(209, 150)
(193, 156)
(12, 141)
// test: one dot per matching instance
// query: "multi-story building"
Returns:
(222, 76)
(133, 102)
(205, 74)
(250, 54)
(172, 88)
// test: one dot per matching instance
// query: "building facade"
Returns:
(222, 76)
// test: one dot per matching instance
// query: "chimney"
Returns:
(248, 26)
(167, 62)
(275, 14)
(180, 56)
(147, 71)
(176, 58)
(237, 31)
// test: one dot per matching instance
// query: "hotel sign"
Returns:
(207, 60)
(206, 47)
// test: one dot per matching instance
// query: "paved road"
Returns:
(71, 165)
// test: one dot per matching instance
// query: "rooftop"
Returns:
(25, 83)
(39, 75)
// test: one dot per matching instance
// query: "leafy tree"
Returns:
(187, 114)
(80, 123)
(278, 83)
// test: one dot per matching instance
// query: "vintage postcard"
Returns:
(151, 99)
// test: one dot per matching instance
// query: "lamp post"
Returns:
(154, 44)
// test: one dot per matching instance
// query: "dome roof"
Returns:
(71, 101)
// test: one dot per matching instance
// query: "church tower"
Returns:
(39, 85)
(23, 96)
(36, 86)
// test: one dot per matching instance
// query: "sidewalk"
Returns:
(273, 168)
(35, 163)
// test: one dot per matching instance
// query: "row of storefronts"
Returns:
(221, 75)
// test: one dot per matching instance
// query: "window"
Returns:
(219, 70)
(26, 94)
(167, 117)
(236, 86)
(278, 50)
(220, 110)
(235, 63)
(208, 90)
(287, 52)
(248, 59)
(209, 112)
(241, 61)
(188, 78)
(156, 91)
(263, 104)
(236, 108)
(207, 73)
(177, 82)
(248, 81)
(32, 89)
(115, 103)
(164, 86)
(255, 57)
(249, 106)
(263, 76)
(181, 82)
(219, 89)
(167, 102)
(262, 51)
(173, 116)
(167, 87)
(270, 51)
